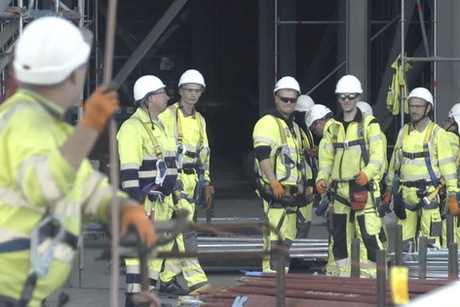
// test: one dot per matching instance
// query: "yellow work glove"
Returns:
(386, 198)
(452, 205)
(361, 178)
(278, 189)
(134, 214)
(321, 186)
(99, 107)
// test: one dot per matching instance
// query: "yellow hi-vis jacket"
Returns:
(407, 158)
(398, 82)
(340, 155)
(140, 146)
(270, 131)
(190, 131)
(35, 178)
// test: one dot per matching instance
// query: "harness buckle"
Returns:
(346, 144)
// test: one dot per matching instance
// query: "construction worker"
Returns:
(282, 174)
(350, 158)
(48, 183)
(421, 163)
(451, 125)
(367, 109)
(305, 213)
(148, 169)
(193, 156)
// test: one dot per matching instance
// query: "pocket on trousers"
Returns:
(436, 229)
(358, 196)
(398, 207)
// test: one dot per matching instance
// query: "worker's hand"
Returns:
(321, 186)
(208, 191)
(361, 178)
(452, 205)
(386, 198)
(99, 107)
(134, 214)
(278, 189)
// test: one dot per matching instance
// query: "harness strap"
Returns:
(156, 145)
(17, 245)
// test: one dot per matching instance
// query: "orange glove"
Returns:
(361, 178)
(278, 189)
(321, 186)
(99, 107)
(134, 214)
(208, 191)
(452, 205)
(386, 198)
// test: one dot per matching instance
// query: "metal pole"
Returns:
(381, 278)
(355, 266)
(435, 54)
(403, 62)
(279, 253)
(450, 228)
(422, 257)
(109, 49)
(398, 245)
(453, 261)
(276, 42)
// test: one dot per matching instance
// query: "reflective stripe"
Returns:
(16, 108)
(264, 140)
(96, 200)
(67, 208)
(147, 174)
(130, 184)
(45, 178)
(90, 184)
(8, 235)
(126, 166)
(12, 198)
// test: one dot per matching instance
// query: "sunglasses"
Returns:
(288, 99)
(349, 96)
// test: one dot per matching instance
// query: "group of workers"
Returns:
(349, 169)
(48, 185)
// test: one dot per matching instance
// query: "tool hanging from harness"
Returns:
(425, 198)
(200, 156)
(294, 195)
(166, 170)
(358, 194)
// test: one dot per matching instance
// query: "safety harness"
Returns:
(201, 155)
(295, 197)
(420, 184)
(165, 166)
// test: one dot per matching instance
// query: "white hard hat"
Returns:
(348, 84)
(318, 111)
(287, 83)
(455, 113)
(192, 76)
(304, 103)
(48, 51)
(145, 85)
(421, 92)
(365, 107)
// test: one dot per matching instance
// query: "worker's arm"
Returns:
(267, 169)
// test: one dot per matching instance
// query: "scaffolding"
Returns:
(18, 14)
(433, 58)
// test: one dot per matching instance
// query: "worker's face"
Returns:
(158, 100)
(80, 78)
(318, 127)
(348, 101)
(418, 108)
(450, 125)
(190, 93)
(286, 101)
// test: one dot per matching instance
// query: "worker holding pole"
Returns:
(48, 182)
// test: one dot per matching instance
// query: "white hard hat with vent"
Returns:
(48, 51)
(145, 85)
(455, 113)
(423, 93)
(318, 111)
(304, 103)
(192, 76)
(287, 83)
(348, 84)
(365, 107)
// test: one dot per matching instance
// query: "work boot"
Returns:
(172, 288)
(197, 286)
